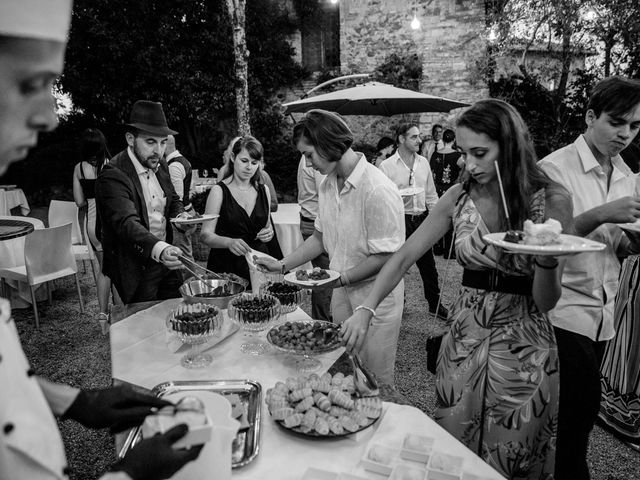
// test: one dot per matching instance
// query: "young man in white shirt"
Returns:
(409, 170)
(604, 193)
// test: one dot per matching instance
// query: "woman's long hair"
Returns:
(521, 176)
(93, 148)
(255, 151)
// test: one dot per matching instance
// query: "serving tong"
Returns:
(193, 268)
(364, 382)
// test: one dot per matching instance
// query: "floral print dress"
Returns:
(497, 376)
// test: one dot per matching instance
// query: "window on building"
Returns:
(321, 39)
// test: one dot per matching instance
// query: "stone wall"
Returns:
(450, 42)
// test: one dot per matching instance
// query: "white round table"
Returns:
(11, 198)
(12, 255)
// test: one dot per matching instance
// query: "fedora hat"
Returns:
(149, 117)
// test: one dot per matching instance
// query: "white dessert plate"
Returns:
(291, 278)
(193, 221)
(569, 245)
(411, 191)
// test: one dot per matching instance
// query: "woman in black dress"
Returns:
(446, 170)
(243, 205)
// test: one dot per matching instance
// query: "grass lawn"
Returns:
(70, 348)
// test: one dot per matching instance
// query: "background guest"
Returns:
(384, 150)
(431, 145)
(407, 169)
(309, 180)
(93, 154)
(445, 168)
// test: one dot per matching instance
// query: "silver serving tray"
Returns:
(246, 445)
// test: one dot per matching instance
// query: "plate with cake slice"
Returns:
(542, 239)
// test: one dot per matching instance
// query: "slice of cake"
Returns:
(547, 233)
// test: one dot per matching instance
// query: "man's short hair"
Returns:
(402, 129)
(616, 96)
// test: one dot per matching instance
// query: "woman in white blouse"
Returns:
(360, 224)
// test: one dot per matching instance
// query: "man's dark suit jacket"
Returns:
(126, 239)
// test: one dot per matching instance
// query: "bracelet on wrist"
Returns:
(347, 280)
(546, 267)
(364, 307)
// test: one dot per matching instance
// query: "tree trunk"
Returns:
(237, 15)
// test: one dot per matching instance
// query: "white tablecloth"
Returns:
(12, 255)
(139, 355)
(13, 198)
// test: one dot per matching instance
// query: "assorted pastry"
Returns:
(305, 336)
(547, 233)
(316, 274)
(321, 405)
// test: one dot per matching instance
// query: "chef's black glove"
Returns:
(154, 458)
(119, 408)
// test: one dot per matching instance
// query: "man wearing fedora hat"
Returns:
(33, 35)
(136, 200)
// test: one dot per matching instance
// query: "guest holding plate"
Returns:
(243, 205)
(360, 224)
(497, 373)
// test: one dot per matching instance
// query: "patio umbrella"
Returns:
(374, 98)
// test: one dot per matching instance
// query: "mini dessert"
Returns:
(380, 454)
(196, 322)
(418, 443)
(446, 463)
(547, 233)
(316, 274)
(305, 336)
(287, 294)
(514, 236)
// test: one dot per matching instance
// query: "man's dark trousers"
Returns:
(580, 359)
(426, 264)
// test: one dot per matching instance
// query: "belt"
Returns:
(306, 219)
(497, 281)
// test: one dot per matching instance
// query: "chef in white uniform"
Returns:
(32, 45)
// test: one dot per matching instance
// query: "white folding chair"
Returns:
(47, 256)
(61, 213)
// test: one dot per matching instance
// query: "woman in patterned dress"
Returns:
(497, 375)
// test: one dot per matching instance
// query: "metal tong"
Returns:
(193, 268)
(365, 384)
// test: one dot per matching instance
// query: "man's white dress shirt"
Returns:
(590, 280)
(177, 174)
(309, 180)
(155, 201)
(418, 176)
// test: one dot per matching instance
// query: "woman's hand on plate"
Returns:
(354, 330)
(268, 264)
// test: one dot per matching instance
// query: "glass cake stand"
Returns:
(254, 313)
(195, 324)
(302, 355)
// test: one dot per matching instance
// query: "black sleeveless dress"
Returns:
(234, 222)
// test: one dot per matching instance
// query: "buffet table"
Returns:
(140, 356)
(11, 198)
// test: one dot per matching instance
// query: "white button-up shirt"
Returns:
(309, 180)
(418, 176)
(590, 280)
(363, 219)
